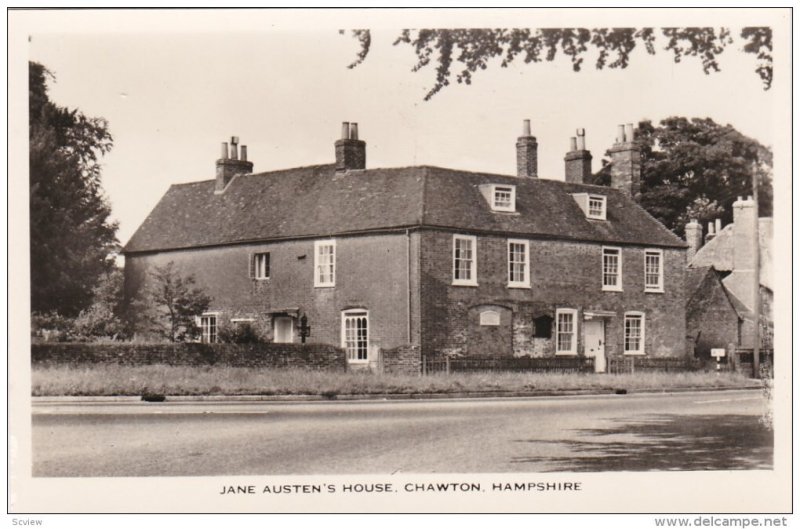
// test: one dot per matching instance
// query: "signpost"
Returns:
(718, 353)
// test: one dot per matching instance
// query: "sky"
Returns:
(172, 92)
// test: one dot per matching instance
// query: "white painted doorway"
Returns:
(594, 340)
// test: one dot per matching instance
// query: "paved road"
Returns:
(686, 431)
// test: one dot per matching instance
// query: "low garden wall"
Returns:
(403, 360)
(311, 356)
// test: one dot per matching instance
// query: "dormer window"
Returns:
(593, 206)
(596, 207)
(500, 197)
(503, 198)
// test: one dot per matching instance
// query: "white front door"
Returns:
(594, 337)
(284, 329)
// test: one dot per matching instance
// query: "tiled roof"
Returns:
(317, 202)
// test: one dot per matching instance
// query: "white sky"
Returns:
(282, 86)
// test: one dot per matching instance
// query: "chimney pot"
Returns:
(581, 139)
(710, 228)
(526, 127)
(718, 225)
(229, 164)
(629, 132)
(573, 144)
(620, 133)
(351, 153)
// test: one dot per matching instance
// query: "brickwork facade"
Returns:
(564, 275)
(711, 320)
(371, 273)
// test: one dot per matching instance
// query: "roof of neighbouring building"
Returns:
(317, 201)
(694, 278)
(718, 252)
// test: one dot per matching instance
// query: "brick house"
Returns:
(720, 305)
(447, 261)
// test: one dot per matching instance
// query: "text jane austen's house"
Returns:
(449, 261)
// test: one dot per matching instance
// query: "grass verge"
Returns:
(114, 380)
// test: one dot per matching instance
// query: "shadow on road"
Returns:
(667, 442)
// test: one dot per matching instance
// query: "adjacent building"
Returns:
(451, 262)
(721, 285)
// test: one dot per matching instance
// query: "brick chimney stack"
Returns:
(230, 164)
(578, 161)
(745, 246)
(527, 153)
(626, 162)
(351, 153)
(694, 237)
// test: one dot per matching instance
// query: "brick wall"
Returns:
(711, 321)
(371, 274)
(563, 275)
(317, 356)
(403, 360)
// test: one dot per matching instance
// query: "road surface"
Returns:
(638, 432)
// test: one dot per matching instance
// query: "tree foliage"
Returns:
(696, 168)
(72, 237)
(104, 319)
(176, 302)
(472, 49)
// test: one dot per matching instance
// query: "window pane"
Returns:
(652, 270)
(633, 333)
(517, 261)
(356, 340)
(610, 268)
(462, 256)
(596, 206)
(565, 331)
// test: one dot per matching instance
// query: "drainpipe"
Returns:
(408, 283)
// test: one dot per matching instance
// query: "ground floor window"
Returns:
(283, 329)
(208, 327)
(634, 333)
(355, 335)
(566, 331)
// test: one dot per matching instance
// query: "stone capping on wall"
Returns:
(308, 356)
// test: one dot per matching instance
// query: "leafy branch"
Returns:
(474, 48)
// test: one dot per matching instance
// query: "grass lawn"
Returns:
(108, 380)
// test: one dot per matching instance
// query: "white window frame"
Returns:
(618, 286)
(511, 208)
(352, 314)
(318, 245)
(659, 287)
(473, 279)
(258, 269)
(631, 315)
(573, 350)
(602, 214)
(205, 331)
(526, 272)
